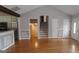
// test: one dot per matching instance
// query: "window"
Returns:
(74, 31)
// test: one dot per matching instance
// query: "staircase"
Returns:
(43, 30)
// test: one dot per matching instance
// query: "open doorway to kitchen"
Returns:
(33, 29)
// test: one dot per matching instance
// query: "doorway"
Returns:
(33, 29)
(44, 26)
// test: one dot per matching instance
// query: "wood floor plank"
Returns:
(45, 46)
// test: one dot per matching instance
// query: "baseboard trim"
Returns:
(46, 37)
(24, 38)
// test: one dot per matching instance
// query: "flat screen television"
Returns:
(3, 26)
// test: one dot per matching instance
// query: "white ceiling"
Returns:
(68, 9)
(23, 8)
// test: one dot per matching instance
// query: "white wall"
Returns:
(76, 20)
(53, 14)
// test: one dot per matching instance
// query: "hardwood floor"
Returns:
(45, 46)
